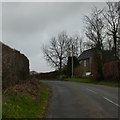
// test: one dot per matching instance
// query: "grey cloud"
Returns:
(29, 17)
(0, 21)
(27, 26)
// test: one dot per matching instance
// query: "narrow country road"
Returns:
(79, 100)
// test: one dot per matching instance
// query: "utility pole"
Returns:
(72, 60)
(119, 30)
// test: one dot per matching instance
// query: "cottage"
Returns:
(88, 59)
(85, 60)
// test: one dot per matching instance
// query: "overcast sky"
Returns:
(26, 26)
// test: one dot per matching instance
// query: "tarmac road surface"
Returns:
(79, 100)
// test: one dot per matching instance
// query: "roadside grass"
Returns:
(92, 81)
(0, 109)
(23, 104)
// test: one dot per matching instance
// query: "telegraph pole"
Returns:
(119, 31)
(72, 60)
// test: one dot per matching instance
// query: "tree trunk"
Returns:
(60, 64)
(115, 43)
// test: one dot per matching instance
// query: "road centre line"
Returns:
(111, 101)
(92, 91)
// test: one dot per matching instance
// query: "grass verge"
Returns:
(26, 100)
(92, 81)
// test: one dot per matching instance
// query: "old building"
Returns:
(88, 60)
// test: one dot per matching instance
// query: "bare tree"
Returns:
(96, 35)
(78, 45)
(112, 19)
(55, 53)
(81, 45)
(77, 42)
(95, 29)
(108, 43)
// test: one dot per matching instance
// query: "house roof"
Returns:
(86, 54)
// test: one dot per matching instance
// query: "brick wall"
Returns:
(97, 66)
(15, 66)
(111, 70)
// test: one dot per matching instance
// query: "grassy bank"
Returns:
(26, 100)
(92, 81)
(0, 109)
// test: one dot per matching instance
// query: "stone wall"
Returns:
(15, 66)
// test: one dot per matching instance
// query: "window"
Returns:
(84, 63)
